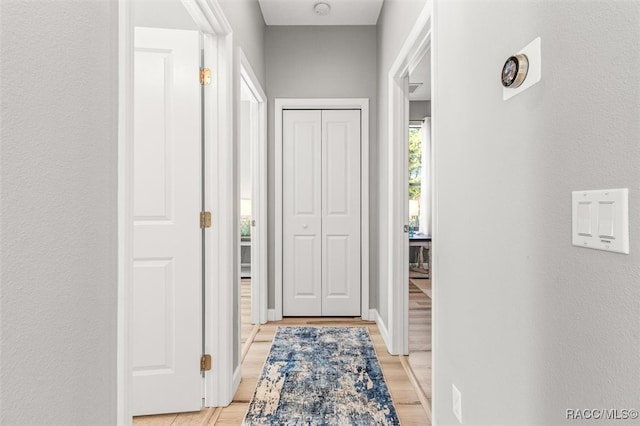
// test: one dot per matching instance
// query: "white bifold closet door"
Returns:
(321, 212)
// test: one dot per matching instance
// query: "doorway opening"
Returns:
(251, 134)
(403, 215)
(420, 247)
(152, 178)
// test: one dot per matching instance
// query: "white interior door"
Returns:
(321, 213)
(341, 213)
(167, 295)
(302, 213)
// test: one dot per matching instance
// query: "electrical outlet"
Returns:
(457, 403)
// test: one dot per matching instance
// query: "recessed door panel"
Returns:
(152, 148)
(304, 265)
(304, 177)
(153, 325)
(338, 176)
(338, 276)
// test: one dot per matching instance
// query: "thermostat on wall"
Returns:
(514, 71)
(522, 70)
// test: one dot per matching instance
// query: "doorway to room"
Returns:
(252, 203)
(419, 207)
(403, 215)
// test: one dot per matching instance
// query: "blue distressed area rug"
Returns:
(321, 376)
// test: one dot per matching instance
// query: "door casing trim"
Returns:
(362, 104)
(258, 147)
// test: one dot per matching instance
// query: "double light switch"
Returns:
(601, 219)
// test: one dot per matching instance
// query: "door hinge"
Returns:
(205, 76)
(406, 228)
(205, 220)
(253, 223)
(205, 362)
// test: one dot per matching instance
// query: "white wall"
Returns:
(528, 325)
(318, 62)
(58, 227)
(169, 14)
(244, 151)
(396, 20)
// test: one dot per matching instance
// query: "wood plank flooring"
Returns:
(245, 309)
(404, 394)
(420, 332)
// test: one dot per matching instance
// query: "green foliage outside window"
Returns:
(415, 162)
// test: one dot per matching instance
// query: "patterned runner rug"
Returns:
(321, 376)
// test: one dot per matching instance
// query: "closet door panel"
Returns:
(302, 213)
(341, 212)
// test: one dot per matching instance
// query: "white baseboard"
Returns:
(375, 316)
(237, 376)
(271, 315)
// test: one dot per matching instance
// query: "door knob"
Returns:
(305, 226)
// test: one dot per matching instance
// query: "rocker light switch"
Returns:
(606, 220)
(601, 219)
(584, 218)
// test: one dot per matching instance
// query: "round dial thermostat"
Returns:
(515, 71)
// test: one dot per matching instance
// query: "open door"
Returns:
(167, 266)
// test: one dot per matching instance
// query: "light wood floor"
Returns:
(420, 332)
(245, 309)
(403, 391)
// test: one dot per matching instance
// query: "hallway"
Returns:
(406, 401)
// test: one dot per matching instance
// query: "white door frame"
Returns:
(219, 192)
(362, 104)
(413, 50)
(258, 148)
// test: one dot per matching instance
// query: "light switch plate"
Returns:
(601, 219)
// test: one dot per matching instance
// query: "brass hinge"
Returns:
(205, 362)
(205, 76)
(205, 220)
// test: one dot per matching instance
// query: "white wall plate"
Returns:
(601, 219)
(534, 55)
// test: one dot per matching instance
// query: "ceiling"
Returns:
(421, 74)
(301, 12)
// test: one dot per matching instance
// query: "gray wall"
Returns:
(418, 110)
(528, 325)
(58, 227)
(396, 20)
(319, 62)
(245, 18)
